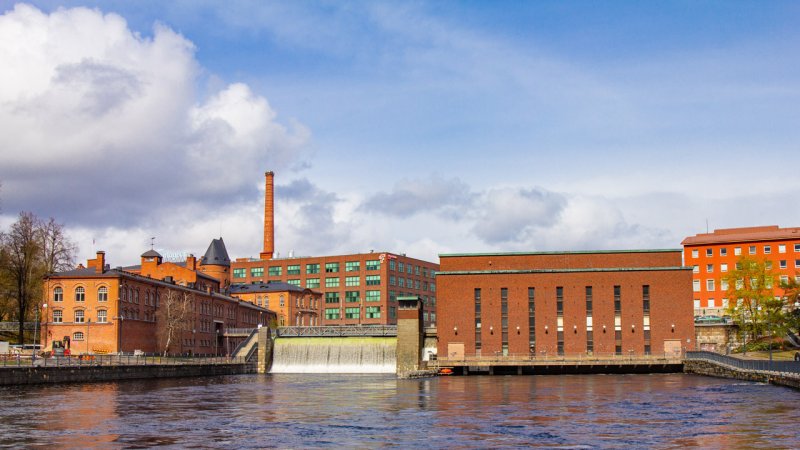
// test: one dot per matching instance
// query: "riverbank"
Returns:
(777, 372)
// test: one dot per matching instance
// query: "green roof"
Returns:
(574, 252)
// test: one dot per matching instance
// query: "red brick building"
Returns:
(564, 303)
(294, 305)
(712, 255)
(103, 310)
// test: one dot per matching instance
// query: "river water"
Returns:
(367, 411)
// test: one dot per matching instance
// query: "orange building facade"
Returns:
(713, 255)
(101, 310)
(294, 305)
(356, 289)
(633, 302)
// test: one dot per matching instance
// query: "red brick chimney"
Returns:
(269, 217)
(99, 263)
(191, 262)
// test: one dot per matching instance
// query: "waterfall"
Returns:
(335, 355)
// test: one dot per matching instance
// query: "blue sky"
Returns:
(415, 127)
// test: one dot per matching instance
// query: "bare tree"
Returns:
(174, 316)
(57, 250)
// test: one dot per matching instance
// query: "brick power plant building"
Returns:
(358, 288)
(634, 302)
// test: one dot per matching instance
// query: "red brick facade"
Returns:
(635, 275)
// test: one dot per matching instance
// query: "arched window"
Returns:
(58, 294)
(136, 297)
(80, 294)
(102, 316)
(58, 316)
(77, 336)
(102, 294)
(79, 316)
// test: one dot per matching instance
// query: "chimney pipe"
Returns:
(269, 216)
(101, 262)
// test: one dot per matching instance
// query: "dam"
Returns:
(334, 355)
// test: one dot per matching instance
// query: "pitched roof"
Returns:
(151, 254)
(216, 255)
(272, 286)
(748, 234)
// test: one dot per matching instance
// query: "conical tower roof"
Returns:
(216, 255)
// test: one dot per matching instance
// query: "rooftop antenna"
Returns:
(706, 225)
(152, 242)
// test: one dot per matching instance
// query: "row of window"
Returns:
(783, 264)
(751, 249)
(370, 312)
(352, 296)
(79, 316)
(411, 269)
(333, 267)
(80, 294)
(723, 284)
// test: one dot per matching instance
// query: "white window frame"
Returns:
(723, 267)
(695, 285)
(695, 253)
(767, 249)
(781, 248)
(737, 251)
(710, 285)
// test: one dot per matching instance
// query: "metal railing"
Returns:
(552, 358)
(339, 331)
(114, 360)
(756, 365)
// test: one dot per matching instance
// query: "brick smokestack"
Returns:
(269, 216)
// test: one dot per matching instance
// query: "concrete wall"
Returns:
(86, 374)
(716, 337)
(714, 370)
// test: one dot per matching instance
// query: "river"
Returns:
(367, 411)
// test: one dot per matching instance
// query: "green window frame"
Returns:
(293, 282)
(373, 312)
(352, 266)
(312, 283)
(332, 313)
(331, 297)
(401, 282)
(352, 281)
(331, 282)
(332, 267)
(351, 296)
(352, 313)
(392, 265)
(275, 271)
(312, 268)
(401, 267)
(256, 271)
(373, 264)
(373, 280)
(240, 273)
(373, 296)
(293, 270)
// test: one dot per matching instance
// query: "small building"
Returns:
(101, 310)
(712, 255)
(295, 306)
(634, 302)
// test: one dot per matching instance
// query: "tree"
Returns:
(791, 304)
(752, 302)
(30, 250)
(174, 316)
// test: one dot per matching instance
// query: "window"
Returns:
(797, 263)
(477, 319)
(710, 285)
(77, 336)
(352, 266)
(373, 280)
(723, 267)
(312, 268)
(783, 264)
(768, 265)
(695, 253)
(295, 282)
(293, 270)
(257, 272)
(102, 294)
(767, 250)
(797, 248)
(352, 281)
(312, 283)
(373, 312)
(282, 301)
(373, 264)
(617, 300)
(274, 271)
(239, 273)
(752, 249)
(559, 300)
(532, 319)
(712, 303)
(723, 252)
(331, 297)
(80, 294)
(331, 282)
(781, 248)
(373, 296)
(58, 316)
(352, 313)
(332, 313)
(102, 316)
(695, 269)
(351, 296)
(784, 279)
(696, 303)
(401, 282)
(646, 299)
(709, 252)
(709, 268)
(332, 267)
(737, 251)
(79, 316)
(58, 295)
(391, 264)
(401, 267)
(723, 285)
(409, 268)
(392, 280)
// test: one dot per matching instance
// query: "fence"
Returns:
(14, 326)
(114, 360)
(553, 358)
(338, 331)
(745, 364)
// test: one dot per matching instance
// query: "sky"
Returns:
(412, 127)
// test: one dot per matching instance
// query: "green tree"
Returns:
(751, 297)
(791, 304)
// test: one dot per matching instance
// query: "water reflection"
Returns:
(596, 411)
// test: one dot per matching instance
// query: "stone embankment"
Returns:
(85, 374)
(720, 370)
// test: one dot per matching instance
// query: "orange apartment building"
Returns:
(295, 306)
(103, 310)
(358, 288)
(633, 302)
(712, 255)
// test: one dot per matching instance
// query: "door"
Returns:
(672, 347)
